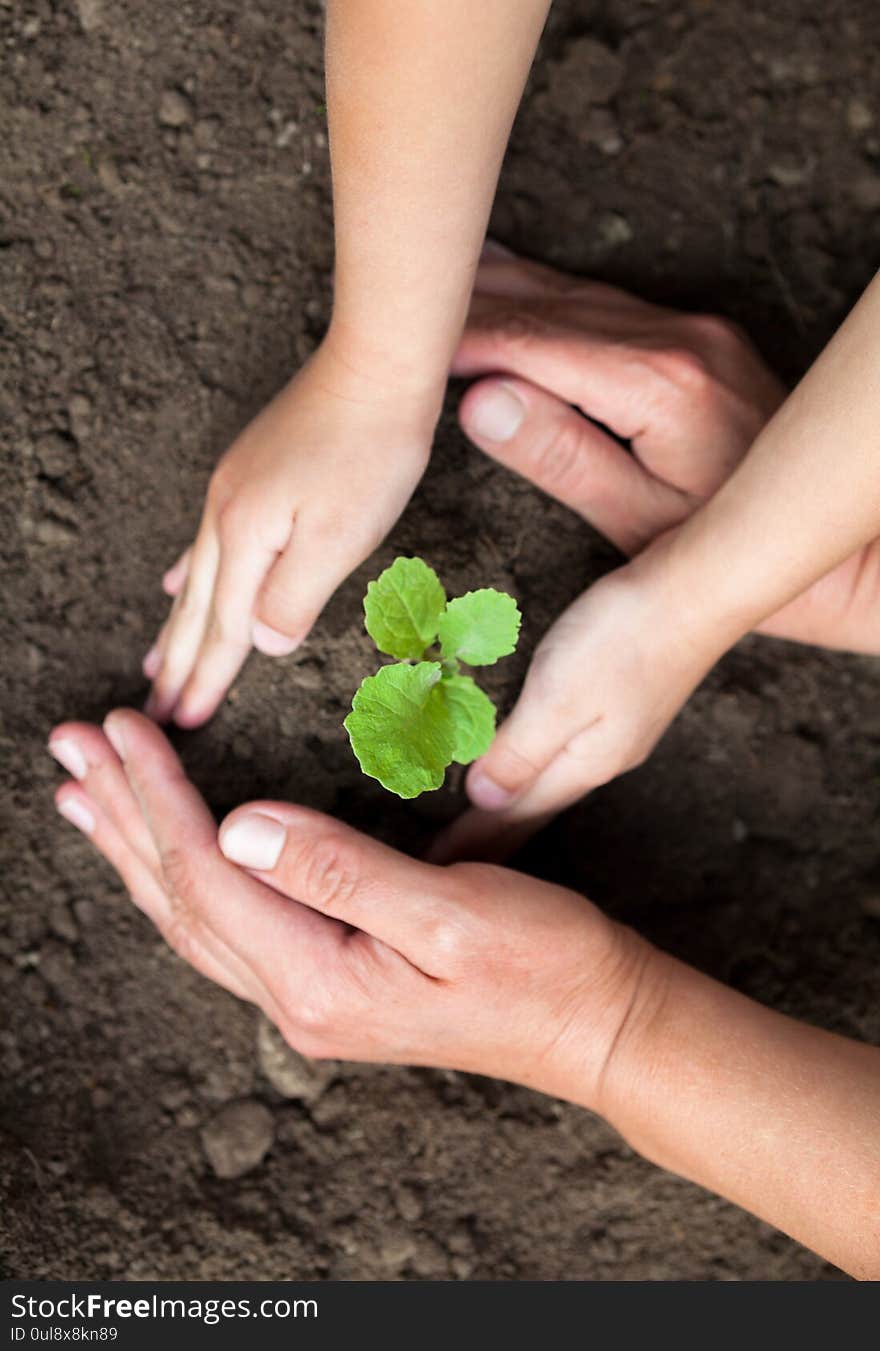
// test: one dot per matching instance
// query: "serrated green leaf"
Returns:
(480, 627)
(473, 717)
(400, 728)
(402, 608)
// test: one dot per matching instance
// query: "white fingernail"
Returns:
(254, 841)
(68, 754)
(78, 814)
(272, 643)
(497, 414)
(113, 733)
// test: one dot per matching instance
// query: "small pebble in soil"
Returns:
(54, 534)
(62, 923)
(408, 1204)
(238, 1138)
(611, 230)
(289, 1073)
(84, 911)
(56, 454)
(859, 115)
(79, 414)
(90, 14)
(175, 110)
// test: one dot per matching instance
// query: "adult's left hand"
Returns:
(350, 948)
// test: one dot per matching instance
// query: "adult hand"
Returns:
(689, 393)
(350, 948)
(355, 951)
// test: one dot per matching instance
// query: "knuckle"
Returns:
(714, 330)
(181, 877)
(313, 1015)
(448, 943)
(221, 487)
(685, 369)
(518, 327)
(234, 519)
(181, 936)
(330, 872)
(557, 456)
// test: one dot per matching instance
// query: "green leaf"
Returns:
(473, 717)
(400, 728)
(402, 608)
(480, 627)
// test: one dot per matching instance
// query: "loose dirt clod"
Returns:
(174, 109)
(238, 1138)
(289, 1073)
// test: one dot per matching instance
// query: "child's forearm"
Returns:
(806, 496)
(777, 1116)
(421, 95)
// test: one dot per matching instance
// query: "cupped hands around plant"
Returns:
(352, 949)
(303, 495)
(689, 394)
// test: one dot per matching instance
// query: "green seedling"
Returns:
(411, 720)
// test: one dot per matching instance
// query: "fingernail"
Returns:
(486, 793)
(78, 814)
(152, 663)
(254, 841)
(68, 754)
(493, 249)
(113, 733)
(272, 643)
(496, 415)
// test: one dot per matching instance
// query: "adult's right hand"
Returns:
(587, 366)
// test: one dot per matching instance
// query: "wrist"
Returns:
(579, 1062)
(625, 1083)
(382, 367)
(681, 603)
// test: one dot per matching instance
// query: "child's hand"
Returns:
(304, 494)
(602, 688)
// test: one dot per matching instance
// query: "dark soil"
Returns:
(165, 246)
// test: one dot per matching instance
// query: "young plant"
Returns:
(409, 721)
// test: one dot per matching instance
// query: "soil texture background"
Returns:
(165, 257)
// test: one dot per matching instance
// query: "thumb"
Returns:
(563, 453)
(328, 867)
(543, 722)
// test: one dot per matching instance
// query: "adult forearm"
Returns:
(777, 1116)
(805, 497)
(421, 95)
